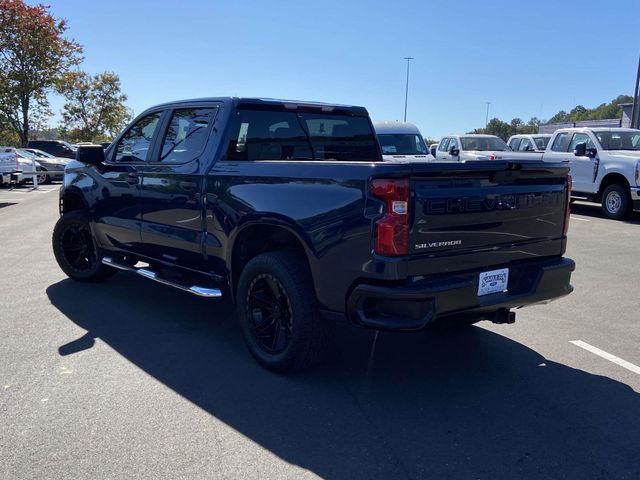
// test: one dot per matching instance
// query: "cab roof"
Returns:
(391, 127)
(273, 103)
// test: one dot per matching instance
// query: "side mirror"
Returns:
(580, 150)
(592, 152)
(90, 154)
(454, 151)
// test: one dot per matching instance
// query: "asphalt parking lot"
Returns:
(129, 379)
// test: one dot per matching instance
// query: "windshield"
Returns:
(402, 144)
(619, 140)
(484, 144)
(278, 135)
(72, 147)
(541, 142)
(40, 153)
(26, 154)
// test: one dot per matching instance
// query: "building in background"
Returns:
(624, 121)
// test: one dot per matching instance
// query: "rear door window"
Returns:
(279, 135)
(186, 134)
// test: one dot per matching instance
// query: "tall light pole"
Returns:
(486, 118)
(406, 91)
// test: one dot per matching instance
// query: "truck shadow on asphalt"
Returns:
(465, 404)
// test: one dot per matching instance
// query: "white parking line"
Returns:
(612, 358)
(573, 217)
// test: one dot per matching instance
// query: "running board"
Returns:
(151, 275)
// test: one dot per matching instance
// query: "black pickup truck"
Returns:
(287, 209)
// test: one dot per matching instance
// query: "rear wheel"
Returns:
(277, 308)
(616, 202)
(75, 250)
(43, 178)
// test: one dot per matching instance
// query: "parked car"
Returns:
(58, 148)
(401, 141)
(48, 163)
(529, 143)
(463, 148)
(26, 163)
(9, 166)
(288, 209)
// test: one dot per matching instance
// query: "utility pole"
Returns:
(636, 101)
(486, 118)
(406, 91)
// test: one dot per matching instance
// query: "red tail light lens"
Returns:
(392, 230)
(567, 211)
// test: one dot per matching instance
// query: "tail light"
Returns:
(392, 230)
(567, 208)
(492, 157)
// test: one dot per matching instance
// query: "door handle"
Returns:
(188, 186)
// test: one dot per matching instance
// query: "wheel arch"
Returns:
(71, 200)
(612, 178)
(255, 238)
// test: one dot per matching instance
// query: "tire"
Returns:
(277, 308)
(616, 203)
(75, 249)
(43, 179)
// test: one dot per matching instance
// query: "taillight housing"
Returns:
(567, 208)
(392, 230)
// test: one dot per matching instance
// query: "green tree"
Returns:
(33, 55)
(496, 127)
(94, 108)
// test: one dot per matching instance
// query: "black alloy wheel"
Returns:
(77, 247)
(270, 312)
(75, 250)
(279, 314)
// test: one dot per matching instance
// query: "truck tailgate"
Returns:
(487, 206)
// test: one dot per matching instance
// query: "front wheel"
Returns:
(282, 325)
(75, 250)
(616, 203)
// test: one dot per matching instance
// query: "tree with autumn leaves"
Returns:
(37, 59)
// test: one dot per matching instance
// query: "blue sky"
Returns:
(527, 58)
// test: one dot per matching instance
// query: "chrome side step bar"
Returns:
(151, 275)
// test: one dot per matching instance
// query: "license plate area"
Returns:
(494, 281)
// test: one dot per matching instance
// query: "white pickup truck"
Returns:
(529, 142)
(463, 148)
(605, 166)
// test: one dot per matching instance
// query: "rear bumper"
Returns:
(413, 306)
